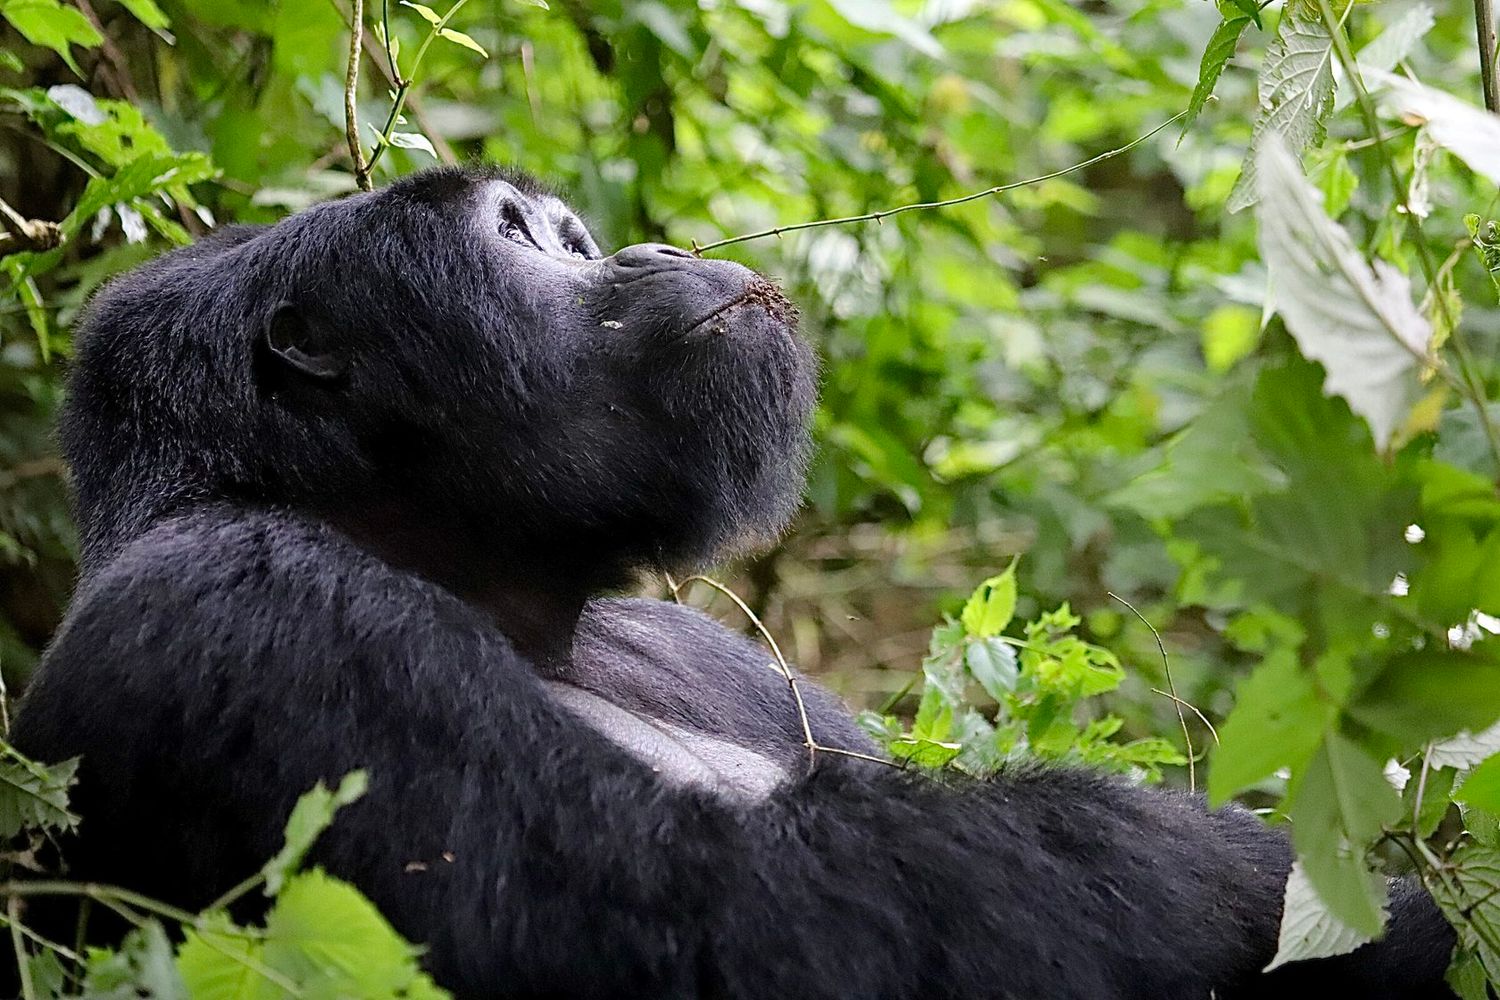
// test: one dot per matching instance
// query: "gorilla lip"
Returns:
(759, 292)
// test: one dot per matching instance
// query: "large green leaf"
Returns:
(52, 25)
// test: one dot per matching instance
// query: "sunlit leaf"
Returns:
(313, 813)
(459, 38)
(428, 14)
(1468, 132)
(51, 25)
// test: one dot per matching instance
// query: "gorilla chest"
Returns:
(679, 754)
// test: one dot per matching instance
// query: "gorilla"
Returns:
(352, 490)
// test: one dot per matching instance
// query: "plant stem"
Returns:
(1484, 26)
(351, 109)
(1469, 383)
(924, 206)
(405, 80)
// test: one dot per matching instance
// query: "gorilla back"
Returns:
(349, 487)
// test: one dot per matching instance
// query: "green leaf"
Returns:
(1278, 721)
(1308, 928)
(992, 664)
(1221, 48)
(459, 38)
(428, 14)
(148, 13)
(34, 796)
(312, 814)
(142, 968)
(924, 752)
(536, 3)
(413, 140)
(51, 25)
(324, 934)
(1339, 806)
(1482, 787)
(1296, 94)
(1360, 324)
(1431, 693)
(992, 605)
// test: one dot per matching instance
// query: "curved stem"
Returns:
(924, 206)
(351, 109)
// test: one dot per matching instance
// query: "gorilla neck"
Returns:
(536, 600)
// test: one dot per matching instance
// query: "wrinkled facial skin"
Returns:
(453, 350)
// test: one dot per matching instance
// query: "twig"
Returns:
(69, 953)
(23, 959)
(351, 109)
(418, 111)
(1484, 25)
(924, 206)
(1166, 666)
(405, 81)
(23, 234)
(780, 665)
(784, 669)
(1191, 708)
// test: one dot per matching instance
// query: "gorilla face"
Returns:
(453, 351)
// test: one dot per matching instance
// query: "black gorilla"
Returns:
(348, 487)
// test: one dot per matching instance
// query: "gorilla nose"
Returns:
(651, 256)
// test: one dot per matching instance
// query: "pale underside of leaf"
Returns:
(1296, 94)
(1468, 132)
(1360, 324)
(1308, 929)
(1389, 47)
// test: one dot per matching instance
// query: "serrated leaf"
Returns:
(1360, 324)
(924, 752)
(1221, 47)
(459, 38)
(1339, 805)
(51, 25)
(1308, 928)
(141, 968)
(992, 605)
(428, 14)
(1296, 94)
(35, 796)
(1392, 45)
(1277, 722)
(312, 814)
(1464, 751)
(1468, 132)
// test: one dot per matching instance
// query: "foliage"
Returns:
(1110, 371)
(320, 936)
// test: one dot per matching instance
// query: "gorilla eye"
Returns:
(513, 227)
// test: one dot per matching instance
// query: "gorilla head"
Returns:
(508, 401)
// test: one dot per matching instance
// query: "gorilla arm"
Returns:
(532, 857)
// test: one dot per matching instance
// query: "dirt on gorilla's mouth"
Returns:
(760, 293)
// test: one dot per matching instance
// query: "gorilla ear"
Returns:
(302, 345)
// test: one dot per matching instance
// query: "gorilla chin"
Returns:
(350, 488)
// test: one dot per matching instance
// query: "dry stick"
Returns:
(20, 233)
(351, 89)
(928, 205)
(1484, 25)
(1177, 702)
(780, 666)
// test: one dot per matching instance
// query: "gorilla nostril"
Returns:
(651, 255)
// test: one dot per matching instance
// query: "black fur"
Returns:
(348, 487)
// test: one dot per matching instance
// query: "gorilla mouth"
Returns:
(760, 292)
